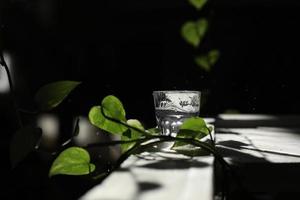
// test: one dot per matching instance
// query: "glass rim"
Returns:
(177, 91)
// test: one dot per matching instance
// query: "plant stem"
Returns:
(122, 158)
(116, 142)
(12, 90)
(125, 124)
(161, 138)
(209, 147)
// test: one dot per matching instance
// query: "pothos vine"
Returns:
(110, 117)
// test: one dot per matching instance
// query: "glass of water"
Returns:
(172, 107)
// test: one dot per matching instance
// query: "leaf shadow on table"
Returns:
(250, 169)
(252, 163)
(145, 186)
(233, 149)
(175, 164)
(166, 164)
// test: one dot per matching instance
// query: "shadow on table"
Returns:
(233, 150)
(146, 186)
(174, 164)
(262, 178)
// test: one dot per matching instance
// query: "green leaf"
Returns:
(198, 4)
(194, 124)
(207, 61)
(131, 134)
(112, 107)
(24, 142)
(201, 25)
(213, 56)
(189, 33)
(203, 63)
(136, 123)
(72, 161)
(51, 95)
(194, 127)
(188, 134)
(154, 131)
(193, 32)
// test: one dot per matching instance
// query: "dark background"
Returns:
(130, 48)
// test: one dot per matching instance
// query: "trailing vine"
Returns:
(110, 117)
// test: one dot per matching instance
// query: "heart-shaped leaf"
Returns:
(196, 124)
(52, 94)
(194, 127)
(198, 4)
(207, 61)
(189, 33)
(193, 32)
(201, 25)
(24, 142)
(112, 107)
(213, 56)
(131, 134)
(72, 161)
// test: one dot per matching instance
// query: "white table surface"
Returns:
(157, 176)
(265, 152)
(264, 149)
(261, 144)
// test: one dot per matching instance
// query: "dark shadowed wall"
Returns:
(130, 49)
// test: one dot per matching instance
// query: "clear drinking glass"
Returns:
(173, 107)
